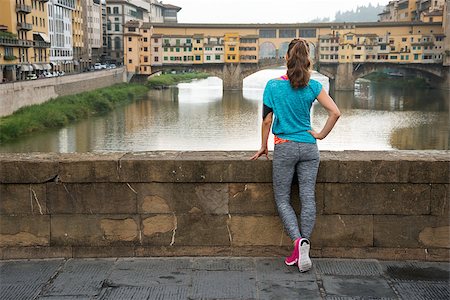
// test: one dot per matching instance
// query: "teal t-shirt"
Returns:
(291, 109)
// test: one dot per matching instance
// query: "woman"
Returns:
(288, 100)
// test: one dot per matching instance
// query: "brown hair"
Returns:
(298, 63)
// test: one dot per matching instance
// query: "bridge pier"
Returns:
(232, 77)
(344, 79)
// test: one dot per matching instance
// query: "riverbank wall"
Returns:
(382, 205)
(24, 93)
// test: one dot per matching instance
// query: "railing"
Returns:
(15, 42)
(43, 0)
(41, 44)
(23, 8)
(24, 26)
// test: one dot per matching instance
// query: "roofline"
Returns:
(301, 25)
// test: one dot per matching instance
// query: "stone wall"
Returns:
(383, 205)
(23, 93)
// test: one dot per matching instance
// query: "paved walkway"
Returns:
(221, 278)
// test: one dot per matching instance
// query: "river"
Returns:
(200, 116)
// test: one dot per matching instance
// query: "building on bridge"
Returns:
(341, 51)
(427, 11)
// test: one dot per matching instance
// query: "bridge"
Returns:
(343, 52)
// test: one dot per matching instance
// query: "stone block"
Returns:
(206, 198)
(148, 167)
(175, 251)
(28, 168)
(23, 199)
(411, 231)
(88, 167)
(103, 252)
(252, 198)
(95, 198)
(343, 231)
(328, 170)
(440, 198)
(24, 231)
(159, 229)
(94, 230)
(377, 199)
(35, 252)
(368, 171)
(202, 230)
(416, 171)
(257, 230)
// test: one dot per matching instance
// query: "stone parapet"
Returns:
(383, 205)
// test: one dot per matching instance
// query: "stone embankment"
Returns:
(25, 93)
(382, 205)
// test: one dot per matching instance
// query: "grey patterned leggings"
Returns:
(304, 158)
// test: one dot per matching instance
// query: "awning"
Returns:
(26, 68)
(43, 36)
(46, 66)
(38, 67)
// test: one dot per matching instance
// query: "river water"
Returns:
(200, 116)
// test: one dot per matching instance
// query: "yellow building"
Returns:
(80, 55)
(24, 42)
(232, 43)
(132, 46)
(198, 45)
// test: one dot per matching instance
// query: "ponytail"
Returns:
(298, 63)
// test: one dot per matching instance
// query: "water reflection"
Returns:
(200, 116)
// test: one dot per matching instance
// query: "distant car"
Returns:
(97, 66)
(112, 66)
(103, 66)
(61, 73)
(31, 76)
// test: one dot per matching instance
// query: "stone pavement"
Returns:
(221, 278)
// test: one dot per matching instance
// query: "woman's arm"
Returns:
(265, 130)
(333, 115)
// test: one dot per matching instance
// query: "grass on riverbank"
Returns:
(166, 80)
(63, 110)
(385, 79)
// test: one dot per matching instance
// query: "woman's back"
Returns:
(291, 108)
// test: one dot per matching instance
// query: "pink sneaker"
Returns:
(304, 262)
(292, 260)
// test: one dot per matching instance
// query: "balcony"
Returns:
(24, 26)
(23, 8)
(15, 42)
(41, 44)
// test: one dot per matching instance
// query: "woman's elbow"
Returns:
(336, 113)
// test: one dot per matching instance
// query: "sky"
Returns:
(262, 11)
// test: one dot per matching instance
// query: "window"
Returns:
(188, 41)
(308, 32)
(383, 47)
(115, 10)
(198, 57)
(156, 49)
(231, 48)
(349, 37)
(288, 33)
(129, 38)
(165, 58)
(130, 50)
(156, 59)
(166, 41)
(117, 27)
(145, 49)
(145, 58)
(145, 40)
(357, 56)
(108, 10)
(267, 33)
(198, 41)
(208, 57)
(177, 49)
(217, 57)
(130, 61)
(404, 39)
